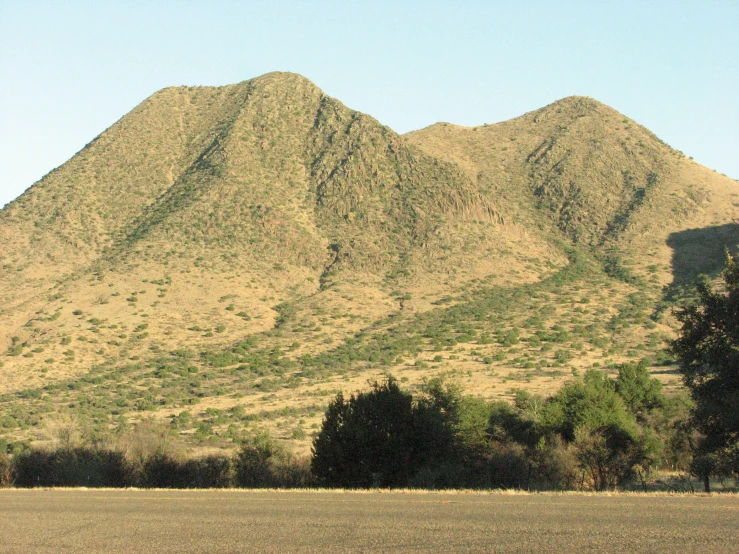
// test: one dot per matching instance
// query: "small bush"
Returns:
(16, 350)
(166, 471)
(253, 466)
(162, 471)
(261, 463)
(210, 472)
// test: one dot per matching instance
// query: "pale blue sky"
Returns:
(69, 70)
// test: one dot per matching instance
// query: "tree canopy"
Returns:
(708, 350)
(381, 437)
(595, 430)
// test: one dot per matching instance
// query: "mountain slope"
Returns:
(258, 193)
(591, 175)
(239, 252)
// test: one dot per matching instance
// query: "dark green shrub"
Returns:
(162, 471)
(371, 433)
(383, 438)
(167, 471)
(88, 467)
(506, 466)
(255, 463)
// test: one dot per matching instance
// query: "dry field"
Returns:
(324, 521)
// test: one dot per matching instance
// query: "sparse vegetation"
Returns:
(279, 248)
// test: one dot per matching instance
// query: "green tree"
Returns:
(591, 402)
(591, 415)
(366, 439)
(641, 393)
(384, 437)
(708, 351)
(438, 415)
(607, 454)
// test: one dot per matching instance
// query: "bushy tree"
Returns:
(70, 467)
(592, 403)
(607, 454)
(164, 471)
(384, 437)
(367, 438)
(439, 412)
(256, 461)
(209, 472)
(587, 427)
(708, 351)
(517, 422)
(641, 393)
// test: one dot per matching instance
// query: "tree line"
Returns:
(594, 433)
(149, 459)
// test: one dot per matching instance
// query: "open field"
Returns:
(269, 521)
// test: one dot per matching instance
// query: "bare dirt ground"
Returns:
(268, 521)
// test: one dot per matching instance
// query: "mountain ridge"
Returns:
(268, 214)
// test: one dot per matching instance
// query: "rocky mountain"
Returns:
(225, 257)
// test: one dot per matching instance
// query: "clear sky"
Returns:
(69, 70)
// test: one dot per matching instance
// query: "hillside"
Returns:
(229, 257)
(591, 175)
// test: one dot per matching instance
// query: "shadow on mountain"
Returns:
(697, 252)
(701, 251)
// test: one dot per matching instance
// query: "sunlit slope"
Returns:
(220, 204)
(66, 221)
(590, 175)
(251, 249)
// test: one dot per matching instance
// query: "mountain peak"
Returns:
(282, 77)
(573, 107)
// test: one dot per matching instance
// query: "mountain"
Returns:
(226, 257)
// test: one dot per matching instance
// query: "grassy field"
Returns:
(381, 521)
